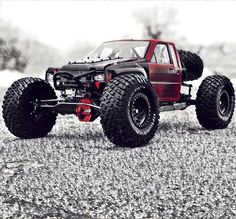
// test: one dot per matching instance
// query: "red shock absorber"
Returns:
(83, 112)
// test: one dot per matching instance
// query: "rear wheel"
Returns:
(21, 113)
(129, 111)
(215, 102)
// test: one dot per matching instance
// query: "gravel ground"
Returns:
(2, 92)
(74, 172)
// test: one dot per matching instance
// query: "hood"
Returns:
(96, 64)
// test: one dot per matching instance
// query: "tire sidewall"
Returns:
(31, 93)
(144, 89)
(221, 89)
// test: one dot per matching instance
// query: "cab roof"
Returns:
(150, 40)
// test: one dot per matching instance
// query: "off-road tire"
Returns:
(193, 65)
(20, 113)
(215, 102)
(125, 100)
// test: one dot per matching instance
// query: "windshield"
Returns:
(120, 49)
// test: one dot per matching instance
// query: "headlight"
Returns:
(49, 77)
(100, 77)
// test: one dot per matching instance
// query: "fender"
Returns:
(50, 71)
(128, 69)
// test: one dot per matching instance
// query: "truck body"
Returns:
(164, 73)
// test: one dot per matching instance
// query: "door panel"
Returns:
(166, 80)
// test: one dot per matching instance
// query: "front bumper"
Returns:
(63, 80)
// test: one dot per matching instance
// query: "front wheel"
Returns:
(129, 110)
(21, 113)
(215, 102)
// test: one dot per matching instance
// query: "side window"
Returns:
(161, 54)
(153, 58)
(173, 55)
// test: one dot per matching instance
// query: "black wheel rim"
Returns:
(140, 110)
(224, 103)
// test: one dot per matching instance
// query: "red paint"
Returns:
(165, 78)
(97, 84)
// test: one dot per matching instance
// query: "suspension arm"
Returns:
(63, 107)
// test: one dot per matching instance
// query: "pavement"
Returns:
(75, 172)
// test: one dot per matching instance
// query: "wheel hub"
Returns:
(224, 103)
(140, 110)
(34, 109)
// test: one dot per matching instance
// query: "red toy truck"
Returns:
(127, 83)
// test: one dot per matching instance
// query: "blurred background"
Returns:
(37, 34)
